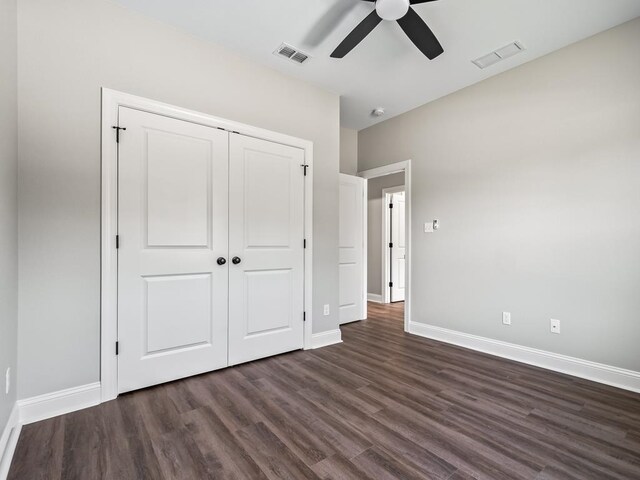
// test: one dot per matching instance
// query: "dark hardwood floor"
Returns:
(381, 405)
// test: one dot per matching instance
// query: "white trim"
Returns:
(385, 170)
(365, 248)
(386, 233)
(398, 167)
(374, 297)
(9, 440)
(597, 372)
(308, 253)
(324, 339)
(111, 101)
(57, 403)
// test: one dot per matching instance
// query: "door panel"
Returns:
(351, 254)
(266, 233)
(267, 187)
(173, 225)
(398, 251)
(263, 313)
(178, 199)
(177, 296)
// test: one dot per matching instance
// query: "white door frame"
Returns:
(111, 101)
(399, 167)
(365, 250)
(386, 231)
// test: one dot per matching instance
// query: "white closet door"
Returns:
(398, 252)
(173, 225)
(266, 233)
(351, 256)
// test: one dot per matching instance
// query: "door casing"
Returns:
(404, 166)
(112, 100)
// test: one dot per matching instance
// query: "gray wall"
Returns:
(68, 50)
(535, 177)
(8, 205)
(348, 151)
(375, 228)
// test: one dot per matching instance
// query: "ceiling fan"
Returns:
(399, 10)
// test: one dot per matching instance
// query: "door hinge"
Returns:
(390, 245)
(391, 205)
(117, 348)
(304, 243)
(391, 284)
(304, 316)
(117, 241)
(117, 129)
(305, 166)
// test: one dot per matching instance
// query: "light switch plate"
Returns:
(428, 227)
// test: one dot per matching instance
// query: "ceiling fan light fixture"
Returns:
(410, 22)
(392, 9)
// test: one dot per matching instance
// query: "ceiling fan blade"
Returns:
(420, 34)
(357, 35)
(416, 2)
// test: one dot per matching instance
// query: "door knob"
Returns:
(221, 260)
(236, 260)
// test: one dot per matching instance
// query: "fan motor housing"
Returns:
(392, 9)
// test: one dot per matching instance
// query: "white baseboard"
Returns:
(374, 297)
(57, 403)
(597, 372)
(324, 339)
(9, 440)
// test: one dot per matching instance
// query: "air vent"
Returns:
(299, 57)
(291, 53)
(499, 55)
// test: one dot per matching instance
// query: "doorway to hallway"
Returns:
(386, 313)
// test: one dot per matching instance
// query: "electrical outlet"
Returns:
(555, 325)
(506, 318)
(7, 380)
(326, 309)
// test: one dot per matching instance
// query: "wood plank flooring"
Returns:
(381, 405)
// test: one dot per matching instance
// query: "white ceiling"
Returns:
(386, 69)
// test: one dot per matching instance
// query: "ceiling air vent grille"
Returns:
(299, 57)
(499, 55)
(291, 53)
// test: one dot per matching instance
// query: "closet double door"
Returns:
(210, 255)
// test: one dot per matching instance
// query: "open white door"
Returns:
(173, 217)
(397, 247)
(266, 234)
(352, 277)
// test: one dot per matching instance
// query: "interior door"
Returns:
(266, 234)
(398, 251)
(351, 257)
(173, 226)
